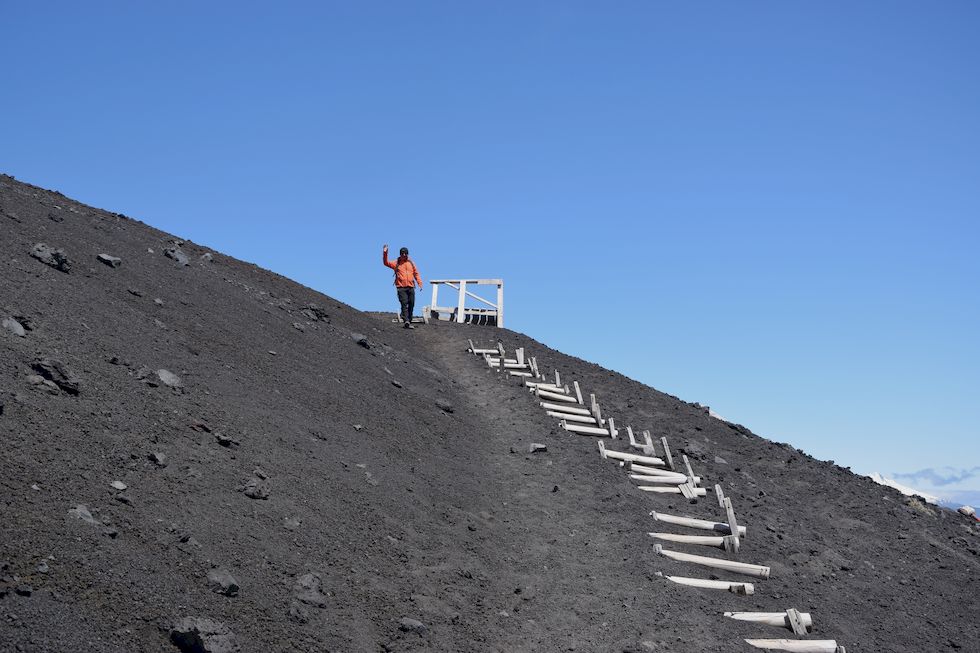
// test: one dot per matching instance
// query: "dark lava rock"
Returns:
(360, 339)
(111, 261)
(407, 625)
(315, 313)
(23, 590)
(56, 258)
(445, 405)
(58, 373)
(222, 582)
(536, 447)
(177, 254)
(199, 635)
(226, 441)
(13, 326)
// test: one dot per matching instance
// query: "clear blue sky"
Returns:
(768, 207)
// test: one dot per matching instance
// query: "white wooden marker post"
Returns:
(732, 586)
(670, 459)
(622, 455)
(759, 571)
(701, 524)
(565, 408)
(578, 393)
(801, 623)
(798, 645)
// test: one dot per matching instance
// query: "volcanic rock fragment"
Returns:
(222, 582)
(315, 313)
(536, 447)
(445, 405)
(408, 625)
(58, 373)
(55, 258)
(177, 255)
(13, 326)
(309, 590)
(111, 261)
(256, 488)
(158, 459)
(168, 378)
(360, 339)
(82, 512)
(200, 635)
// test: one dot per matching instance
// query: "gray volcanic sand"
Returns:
(306, 456)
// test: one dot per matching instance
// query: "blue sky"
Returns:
(768, 207)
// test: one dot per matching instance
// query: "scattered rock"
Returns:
(169, 379)
(226, 441)
(158, 459)
(124, 498)
(407, 625)
(969, 511)
(111, 261)
(315, 313)
(177, 254)
(26, 321)
(291, 523)
(537, 447)
(82, 512)
(256, 488)
(200, 635)
(396, 384)
(43, 568)
(720, 460)
(13, 326)
(119, 485)
(158, 301)
(299, 327)
(360, 339)
(23, 590)
(135, 292)
(207, 257)
(58, 373)
(445, 405)
(358, 427)
(309, 590)
(222, 582)
(55, 258)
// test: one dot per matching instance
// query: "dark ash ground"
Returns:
(321, 474)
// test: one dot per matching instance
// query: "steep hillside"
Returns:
(309, 477)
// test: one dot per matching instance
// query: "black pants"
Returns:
(406, 297)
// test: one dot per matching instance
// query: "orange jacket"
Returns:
(405, 271)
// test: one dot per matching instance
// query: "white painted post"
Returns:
(565, 408)
(730, 511)
(649, 443)
(520, 355)
(758, 571)
(670, 459)
(612, 428)
(674, 489)
(435, 294)
(797, 645)
(735, 587)
(461, 306)
(720, 495)
(701, 524)
(715, 541)
(578, 393)
(500, 305)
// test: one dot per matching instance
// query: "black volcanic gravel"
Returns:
(297, 475)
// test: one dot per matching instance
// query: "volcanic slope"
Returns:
(312, 478)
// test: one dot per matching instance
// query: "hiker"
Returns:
(406, 275)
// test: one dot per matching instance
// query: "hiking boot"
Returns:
(409, 325)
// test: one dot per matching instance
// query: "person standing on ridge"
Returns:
(406, 275)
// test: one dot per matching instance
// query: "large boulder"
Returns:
(48, 255)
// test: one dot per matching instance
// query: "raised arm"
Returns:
(384, 258)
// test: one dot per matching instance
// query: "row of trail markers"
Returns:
(659, 472)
